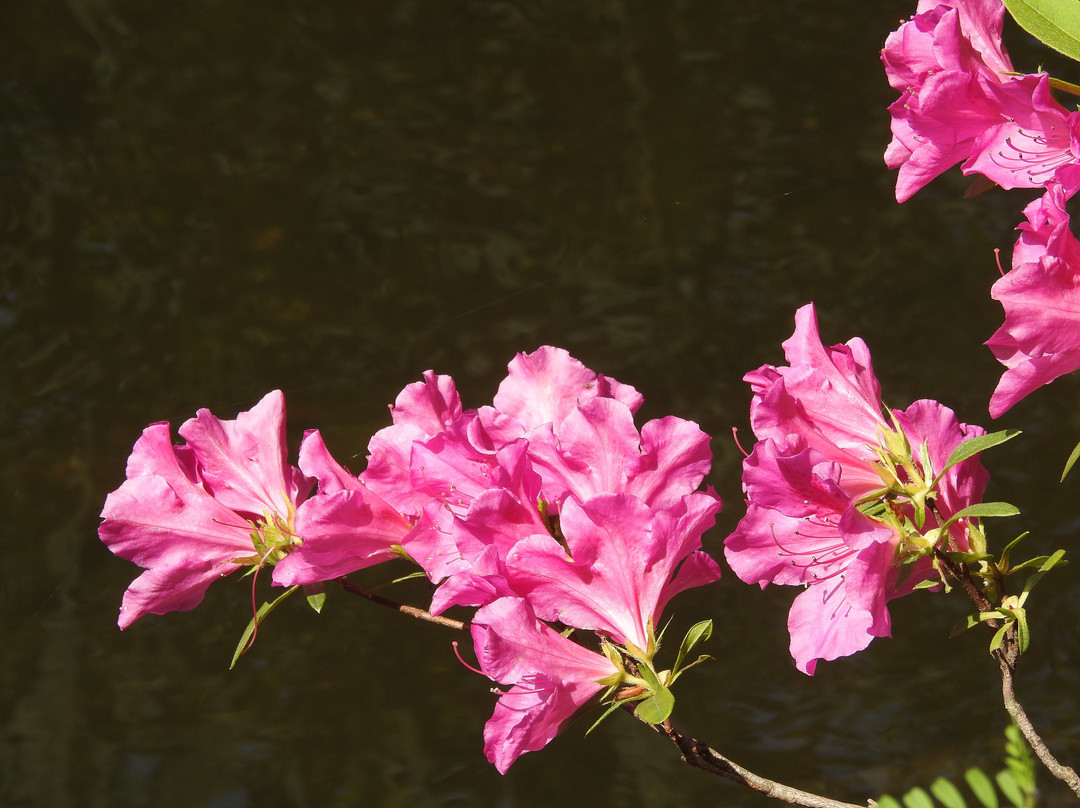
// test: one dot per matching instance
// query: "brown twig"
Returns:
(702, 756)
(1064, 773)
(412, 611)
(1007, 655)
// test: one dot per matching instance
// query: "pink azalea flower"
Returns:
(551, 677)
(345, 527)
(622, 561)
(959, 103)
(1040, 338)
(942, 62)
(191, 514)
(821, 426)
(1034, 137)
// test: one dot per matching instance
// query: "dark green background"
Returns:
(203, 200)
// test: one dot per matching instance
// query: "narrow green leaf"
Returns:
(998, 638)
(1022, 635)
(918, 798)
(885, 801)
(983, 509)
(981, 787)
(1010, 788)
(1051, 562)
(256, 621)
(970, 448)
(1010, 547)
(1055, 23)
(607, 712)
(698, 633)
(947, 794)
(1071, 462)
(656, 708)
(969, 621)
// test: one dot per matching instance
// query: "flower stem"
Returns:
(1007, 655)
(1064, 773)
(702, 756)
(412, 611)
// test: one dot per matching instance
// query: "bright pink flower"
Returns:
(621, 563)
(345, 527)
(1033, 139)
(821, 426)
(959, 103)
(192, 514)
(551, 678)
(942, 62)
(1040, 338)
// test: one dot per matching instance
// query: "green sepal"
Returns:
(657, 707)
(947, 794)
(255, 621)
(981, 787)
(1055, 23)
(316, 596)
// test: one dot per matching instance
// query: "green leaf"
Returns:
(1023, 637)
(998, 638)
(656, 708)
(947, 794)
(1071, 462)
(607, 712)
(1047, 565)
(885, 801)
(1006, 781)
(981, 786)
(1055, 23)
(698, 633)
(255, 622)
(918, 798)
(983, 509)
(970, 448)
(1009, 548)
(316, 596)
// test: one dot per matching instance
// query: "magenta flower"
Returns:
(826, 452)
(551, 678)
(621, 563)
(1040, 338)
(191, 514)
(942, 61)
(345, 527)
(961, 102)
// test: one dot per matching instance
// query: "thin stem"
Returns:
(702, 756)
(1064, 773)
(1007, 655)
(412, 611)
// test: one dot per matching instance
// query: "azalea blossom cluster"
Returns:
(845, 498)
(961, 101)
(547, 511)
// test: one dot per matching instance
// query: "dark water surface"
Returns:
(207, 199)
